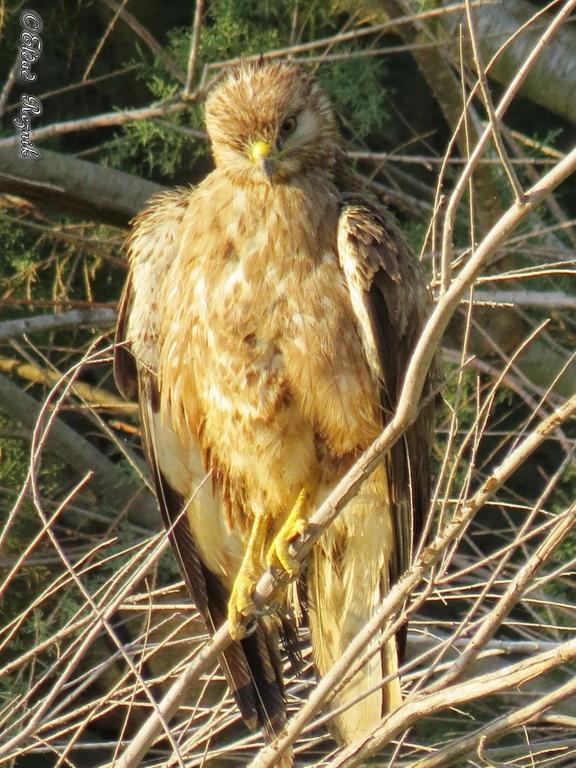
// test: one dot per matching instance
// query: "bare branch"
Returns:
(486, 95)
(553, 300)
(194, 44)
(93, 395)
(62, 321)
(121, 117)
(102, 42)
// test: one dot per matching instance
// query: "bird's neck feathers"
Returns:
(307, 203)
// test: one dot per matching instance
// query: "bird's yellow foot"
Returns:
(294, 526)
(241, 608)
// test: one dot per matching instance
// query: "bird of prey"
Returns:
(265, 328)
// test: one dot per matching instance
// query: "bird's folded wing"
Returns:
(390, 300)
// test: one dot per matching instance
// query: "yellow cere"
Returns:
(260, 149)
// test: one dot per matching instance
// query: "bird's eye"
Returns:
(288, 126)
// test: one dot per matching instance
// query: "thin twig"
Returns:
(102, 41)
(552, 300)
(486, 95)
(194, 45)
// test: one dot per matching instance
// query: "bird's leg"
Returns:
(295, 525)
(241, 604)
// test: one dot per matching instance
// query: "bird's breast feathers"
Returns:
(260, 357)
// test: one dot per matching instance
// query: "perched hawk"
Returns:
(265, 327)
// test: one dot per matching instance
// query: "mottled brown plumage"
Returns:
(266, 325)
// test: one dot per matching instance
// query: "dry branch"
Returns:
(92, 395)
(552, 300)
(77, 187)
(515, 675)
(106, 120)
(61, 321)
(194, 45)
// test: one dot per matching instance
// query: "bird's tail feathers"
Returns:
(262, 655)
(347, 579)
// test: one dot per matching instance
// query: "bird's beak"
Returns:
(260, 153)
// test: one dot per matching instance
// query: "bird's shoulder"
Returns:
(150, 247)
(155, 227)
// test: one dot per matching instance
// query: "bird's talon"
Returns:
(241, 607)
(250, 626)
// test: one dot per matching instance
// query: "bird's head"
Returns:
(270, 122)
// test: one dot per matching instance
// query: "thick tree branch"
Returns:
(62, 321)
(75, 187)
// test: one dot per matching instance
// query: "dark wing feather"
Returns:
(125, 369)
(390, 299)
